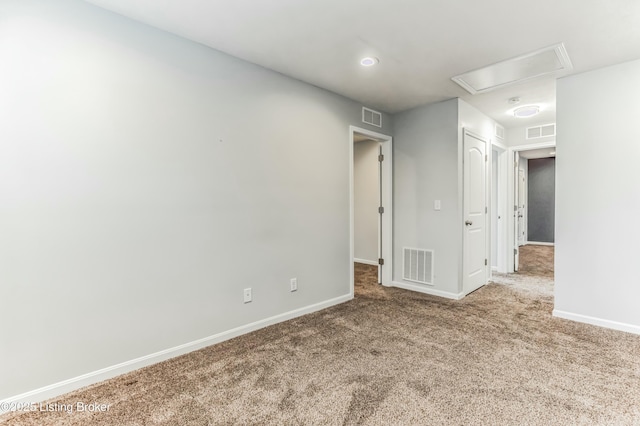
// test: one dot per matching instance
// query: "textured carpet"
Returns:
(536, 260)
(389, 357)
(535, 272)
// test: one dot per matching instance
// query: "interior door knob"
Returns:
(468, 222)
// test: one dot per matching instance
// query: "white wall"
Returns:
(426, 169)
(145, 181)
(366, 186)
(597, 198)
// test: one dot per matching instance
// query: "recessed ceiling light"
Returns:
(369, 61)
(526, 111)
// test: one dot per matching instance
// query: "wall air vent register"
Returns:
(372, 117)
(417, 265)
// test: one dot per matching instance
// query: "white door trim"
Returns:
(386, 249)
(511, 196)
(501, 238)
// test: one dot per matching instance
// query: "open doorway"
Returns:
(534, 211)
(371, 215)
(531, 221)
(519, 221)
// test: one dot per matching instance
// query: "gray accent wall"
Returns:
(541, 200)
(146, 180)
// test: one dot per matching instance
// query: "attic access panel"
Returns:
(531, 65)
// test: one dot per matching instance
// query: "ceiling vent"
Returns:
(372, 117)
(499, 131)
(543, 131)
(535, 64)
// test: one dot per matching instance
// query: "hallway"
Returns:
(535, 273)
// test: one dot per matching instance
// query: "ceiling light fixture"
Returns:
(526, 111)
(514, 101)
(369, 61)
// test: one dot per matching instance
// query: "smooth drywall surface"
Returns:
(541, 197)
(426, 169)
(597, 197)
(366, 188)
(145, 182)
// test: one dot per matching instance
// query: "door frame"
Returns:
(511, 245)
(524, 199)
(501, 184)
(487, 191)
(386, 221)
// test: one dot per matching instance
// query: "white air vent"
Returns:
(499, 131)
(418, 265)
(543, 131)
(548, 130)
(372, 117)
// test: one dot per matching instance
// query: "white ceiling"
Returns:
(421, 44)
(533, 154)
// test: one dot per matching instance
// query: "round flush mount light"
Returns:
(526, 111)
(369, 61)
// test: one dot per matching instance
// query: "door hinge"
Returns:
(381, 158)
(486, 209)
(380, 210)
(515, 251)
(486, 157)
(485, 262)
(381, 261)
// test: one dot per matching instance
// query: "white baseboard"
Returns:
(427, 290)
(60, 388)
(538, 243)
(366, 262)
(629, 328)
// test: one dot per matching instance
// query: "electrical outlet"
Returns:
(294, 284)
(247, 295)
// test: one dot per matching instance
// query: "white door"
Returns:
(522, 191)
(475, 213)
(516, 250)
(380, 212)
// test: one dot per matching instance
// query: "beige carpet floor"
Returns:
(389, 357)
(535, 274)
(536, 260)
